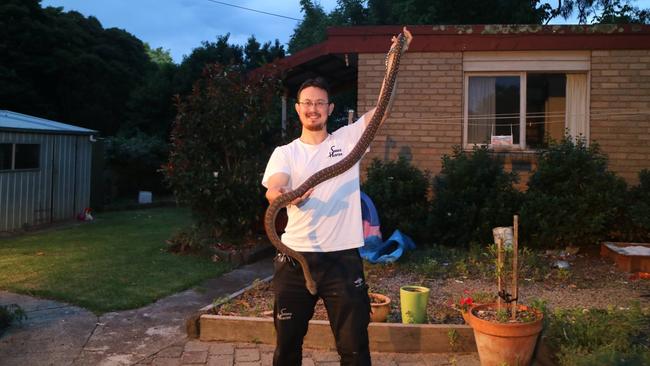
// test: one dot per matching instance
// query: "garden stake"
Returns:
(515, 272)
(499, 269)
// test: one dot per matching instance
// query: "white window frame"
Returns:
(521, 63)
(522, 107)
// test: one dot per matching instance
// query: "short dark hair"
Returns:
(317, 82)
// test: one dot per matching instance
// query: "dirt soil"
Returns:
(589, 282)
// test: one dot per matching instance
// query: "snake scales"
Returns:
(346, 163)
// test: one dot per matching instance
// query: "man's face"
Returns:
(313, 108)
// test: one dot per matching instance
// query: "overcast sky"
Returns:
(181, 25)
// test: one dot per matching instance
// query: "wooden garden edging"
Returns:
(384, 337)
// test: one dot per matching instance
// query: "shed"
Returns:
(44, 170)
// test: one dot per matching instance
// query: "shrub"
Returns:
(9, 314)
(471, 195)
(399, 192)
(639, 209)
(572, 198)
(600, 336)
(222, 137)
(134, 161)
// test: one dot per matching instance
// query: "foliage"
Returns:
(572, 198)
(116, 262)
(600, 336)
(472, 194)
(399, 193)
(134, 162)
(150, 108)
(438, 261)
(67, 67)
(222, 137)
(9, 314)
(605, 11)
(638, 209)
(159, 56)
(312, 29)
(224, 53)
(256, 55)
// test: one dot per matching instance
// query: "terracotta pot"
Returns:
(504, 343)
(379, 307)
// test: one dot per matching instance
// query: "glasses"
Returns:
(318, 103)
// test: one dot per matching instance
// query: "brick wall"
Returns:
(620, 80)
(425, 121)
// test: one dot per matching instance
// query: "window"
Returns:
(493, 108)
(27, 156)
(19, 156)
(6, 156)
(524, 109)
(545, 108)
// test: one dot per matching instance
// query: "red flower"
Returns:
(466, 303)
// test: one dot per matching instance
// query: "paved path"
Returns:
(61, 334)
(248, 354)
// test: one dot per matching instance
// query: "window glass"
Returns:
(545, 108)
(27, 156)
(493, 108)
(5, 156)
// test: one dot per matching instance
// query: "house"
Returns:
(507, 86)
(44, 170)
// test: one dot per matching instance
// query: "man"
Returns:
(325, 226)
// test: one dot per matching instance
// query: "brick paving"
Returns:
(194, 352)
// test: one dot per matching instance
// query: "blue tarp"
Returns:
(376, 251)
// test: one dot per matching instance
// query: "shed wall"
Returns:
(58, 190)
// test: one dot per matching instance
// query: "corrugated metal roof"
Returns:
(12, 121)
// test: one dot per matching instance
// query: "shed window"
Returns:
(6, 153)
(19, 156)
(27, 156)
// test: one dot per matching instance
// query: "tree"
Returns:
(312, 28)
(256, 56)
(158, 56)
(67, 67)
(615, 12)
(223, 134)
(220, 52)
(598, 11)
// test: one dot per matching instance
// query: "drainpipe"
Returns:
(284, 114)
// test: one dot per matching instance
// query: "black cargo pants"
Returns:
(341, 284)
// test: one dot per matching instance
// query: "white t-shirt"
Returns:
(330, 219)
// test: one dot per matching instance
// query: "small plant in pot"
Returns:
(379, 307)
(506, 332)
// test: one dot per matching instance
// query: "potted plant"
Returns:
(506, 332)
(379, 307)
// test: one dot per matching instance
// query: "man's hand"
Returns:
(407, 35)
(300, 200)
(273, 193)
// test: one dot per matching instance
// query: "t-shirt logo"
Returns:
(334, 152)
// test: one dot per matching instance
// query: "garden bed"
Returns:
(589, 282)
(629, 257)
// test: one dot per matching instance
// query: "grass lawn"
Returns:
(116, 262)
